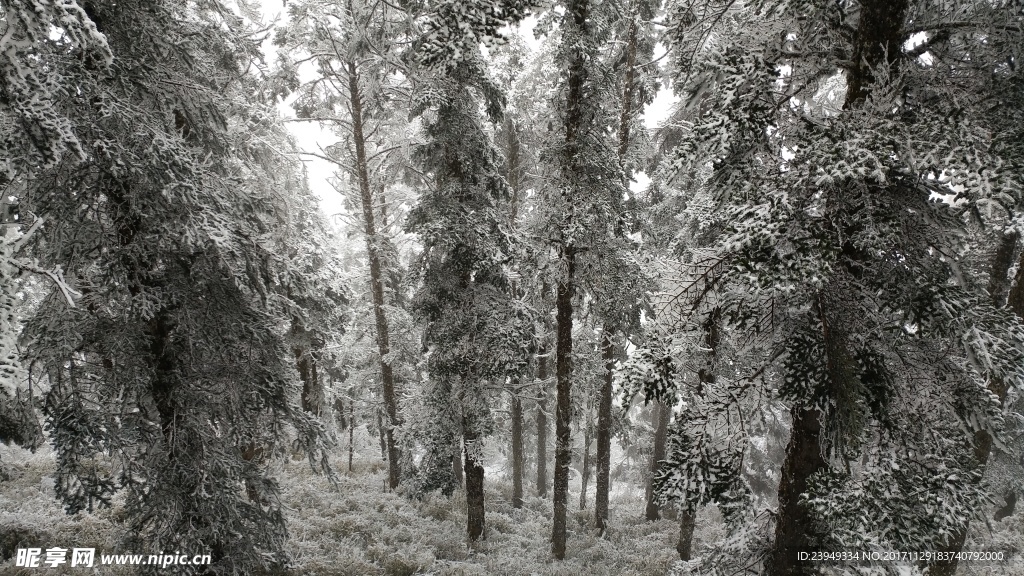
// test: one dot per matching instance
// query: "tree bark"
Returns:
(351, 433)
(687, 520)
(542, 423)
(876, 43)
(563, 415)
(376, 277)
(474, 488)
(793, 526)
(517, 452)
(604, 436)
(457, 465)
(312, 391)
(660, 417)
(588, 436)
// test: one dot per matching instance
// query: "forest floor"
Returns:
(355, 528)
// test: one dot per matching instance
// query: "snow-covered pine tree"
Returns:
(358, 90)
(172, 367)
(477, 332)
(850, 154)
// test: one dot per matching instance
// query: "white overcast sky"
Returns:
(311, 137)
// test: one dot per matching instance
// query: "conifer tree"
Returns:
(828, 134)
(159, 177)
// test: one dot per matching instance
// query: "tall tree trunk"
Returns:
(563, 414)
(604, 436)
(542, 422)
(376, 276)
(588, 437)
(517, 452)
(604, 408)
(659, 417)
(576, 15)
(705, 375)
(474, 488)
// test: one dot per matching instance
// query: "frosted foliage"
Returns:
(35, 88)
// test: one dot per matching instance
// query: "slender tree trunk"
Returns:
(351, 433)
(380, 436)
(376, 277)
(660, 417)
(474, 488)
(457, 465)
(542, 422)
(604, 436)
(705, 376)
(576, 15)
(588, 437)
(604, 409)
(517, 452)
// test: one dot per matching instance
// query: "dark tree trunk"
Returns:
(312, 391)
(793, 531)
(1007, 509)
(876, 43)
(517, 452)
(660, 417)
(376, 276)
(474, 490)
(576, 16)
(351, 433)
(563, 414)
(542, 422)
(604, 436)
(685, 544)
(588, 437)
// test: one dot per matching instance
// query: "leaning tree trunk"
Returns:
(474, 487)
(376, 276)
(576, 13)
(604, 437)
(542, 422)
(517, 451)
(659, 417)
